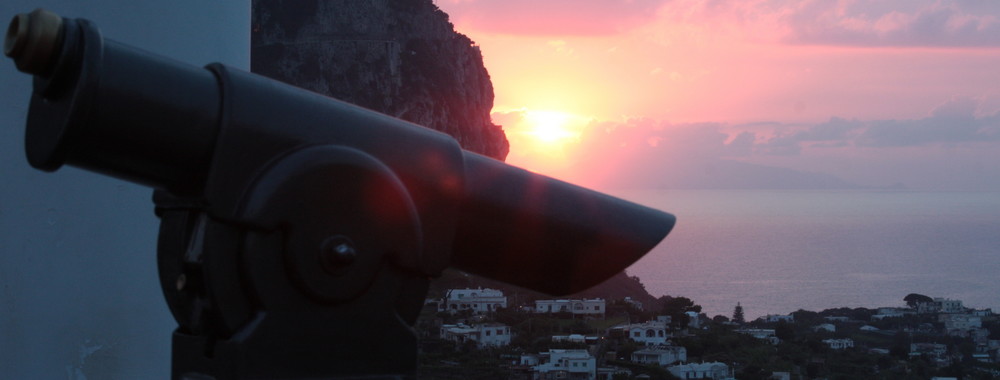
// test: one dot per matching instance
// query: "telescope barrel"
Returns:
(207, 132)
(545, 234)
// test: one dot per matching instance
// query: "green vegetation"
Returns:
(914, 299)
(738, 314)
(676, 308)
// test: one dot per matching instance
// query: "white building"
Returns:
(479, 301)
(576, 338)
(652, 333)
(982, 357)
(940, 305)
(562, 364)
(711, 370)
(762, 334)
(983, 312)
(694, 319)
(661, 356)
(839, 344)
(934, 350)
(530, 360)
(960, 321)
(485, 335)
(593, 307)
(825, 327)
(634, 303)
(891, 312)
(778, 318)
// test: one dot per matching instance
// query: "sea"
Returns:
(775, 252)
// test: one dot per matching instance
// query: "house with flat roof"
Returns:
(774, 318)
(940, 305)
(484, 335)
(660, 355)
(478, 301)
(710, 370)
(651, 333)
(839, 344)
(562, 365)
(767, 335)
(587, 307)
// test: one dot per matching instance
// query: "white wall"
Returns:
(79, 294)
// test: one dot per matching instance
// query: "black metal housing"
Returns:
(296, 226)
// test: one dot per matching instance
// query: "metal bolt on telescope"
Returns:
(297, 229)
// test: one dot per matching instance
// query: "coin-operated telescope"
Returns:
(298, 233)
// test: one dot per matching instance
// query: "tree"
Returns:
(676, 307)
(806, 316)
(784, 331)
(914, 299)
(738, 314)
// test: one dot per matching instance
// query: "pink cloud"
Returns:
(645, 152)
(899, 23)
(923, 23)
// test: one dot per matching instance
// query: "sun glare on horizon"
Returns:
(541, 140)
(549, 127)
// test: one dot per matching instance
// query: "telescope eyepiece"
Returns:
(17, 31)
(32, 41)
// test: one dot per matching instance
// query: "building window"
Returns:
(488, 332)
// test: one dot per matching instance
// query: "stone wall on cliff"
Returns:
(399, 57)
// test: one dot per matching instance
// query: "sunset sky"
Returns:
(683, 93)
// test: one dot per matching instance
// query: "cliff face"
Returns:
(399, 57)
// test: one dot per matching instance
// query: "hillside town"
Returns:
(483, 333)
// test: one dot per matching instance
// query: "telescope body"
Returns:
(283, 207)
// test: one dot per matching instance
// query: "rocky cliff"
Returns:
(399, 57)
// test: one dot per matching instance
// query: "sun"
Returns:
(545, 132)
(544, 141)
(548, 127)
